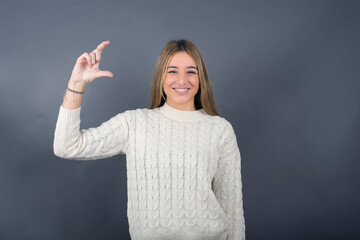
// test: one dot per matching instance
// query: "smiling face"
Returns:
(181, 82)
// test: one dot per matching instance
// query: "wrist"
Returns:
(76, 86)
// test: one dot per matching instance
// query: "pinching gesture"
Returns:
(86, 68)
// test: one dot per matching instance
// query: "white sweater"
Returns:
(183, 169)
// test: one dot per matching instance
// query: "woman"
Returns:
(183, 161)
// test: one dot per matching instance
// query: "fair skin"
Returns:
(181, 74)
(86, 70)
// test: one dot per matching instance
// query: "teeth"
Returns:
(181, 89)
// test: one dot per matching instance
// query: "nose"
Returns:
(182, 79)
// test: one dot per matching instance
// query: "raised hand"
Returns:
(86, 68)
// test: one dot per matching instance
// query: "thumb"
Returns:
(103, 74)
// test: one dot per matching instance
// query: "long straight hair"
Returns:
(204, 97)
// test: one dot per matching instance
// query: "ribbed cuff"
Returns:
(69, 115)
(178, 236)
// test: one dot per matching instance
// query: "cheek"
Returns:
(168, 81)
(196, 83)
(167, 85)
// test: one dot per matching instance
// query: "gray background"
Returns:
(284, 73)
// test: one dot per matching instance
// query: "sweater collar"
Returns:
(181, 115)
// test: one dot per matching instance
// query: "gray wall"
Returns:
(284, 73)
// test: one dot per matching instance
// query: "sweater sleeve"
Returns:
(104, 141)
(227, 185)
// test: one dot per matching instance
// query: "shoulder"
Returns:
(227, 131)
(138, 113)
(133, 112)
(222, 123)
(222, 128)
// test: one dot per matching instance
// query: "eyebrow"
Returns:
(187, 67)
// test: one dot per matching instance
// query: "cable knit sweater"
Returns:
(183, 169)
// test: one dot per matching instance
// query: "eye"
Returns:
(172, 71)
(192, 72)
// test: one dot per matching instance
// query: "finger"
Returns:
(103, 74)
(86, 56)
(103, 45)
(93, 58)
(97, 55)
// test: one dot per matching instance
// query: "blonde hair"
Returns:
(204, 97)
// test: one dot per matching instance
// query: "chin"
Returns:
(182, 101)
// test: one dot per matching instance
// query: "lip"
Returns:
(181, 93)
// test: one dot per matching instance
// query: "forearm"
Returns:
(73, 100)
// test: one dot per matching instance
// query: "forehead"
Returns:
(182, 59)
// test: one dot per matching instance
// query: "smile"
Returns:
(181, 91)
